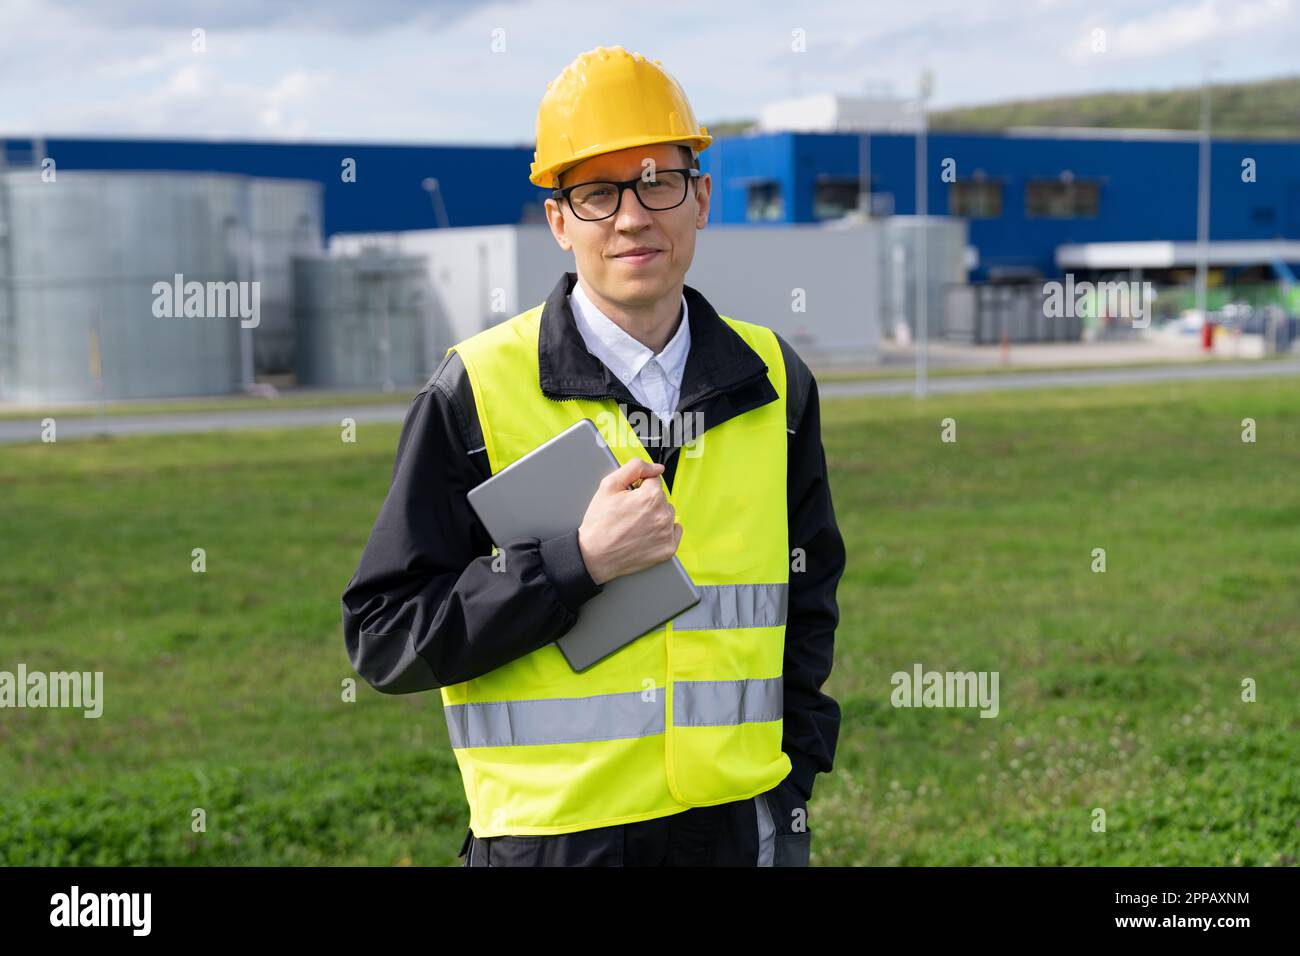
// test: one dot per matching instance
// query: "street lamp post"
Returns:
(922, 208)
(1203, 200)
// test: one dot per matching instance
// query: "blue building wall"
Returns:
(737, 163)
(1147, 188)
(483, 185)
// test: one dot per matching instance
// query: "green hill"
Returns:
(1269, 108)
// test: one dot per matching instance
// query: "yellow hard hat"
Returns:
(606, 100)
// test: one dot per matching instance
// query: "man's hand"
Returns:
(626, 530)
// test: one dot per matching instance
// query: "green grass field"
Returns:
(213, 403)
(1119, 691)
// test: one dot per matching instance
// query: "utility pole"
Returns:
(1203, 199)
(864, 172)
(922, 207)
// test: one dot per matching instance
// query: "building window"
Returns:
(764, 202)
(1262, 215)
(1062, 199)
(975, 199)
(835, 198)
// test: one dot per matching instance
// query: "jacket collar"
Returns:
(719, 360)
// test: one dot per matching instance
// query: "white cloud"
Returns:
(1168, 31)
(66, 69)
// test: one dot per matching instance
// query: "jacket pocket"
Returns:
(792, 849)
(793, 838)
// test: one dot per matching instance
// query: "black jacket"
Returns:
(425, 609)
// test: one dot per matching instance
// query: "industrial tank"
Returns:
(89, 264)
(360, 320)
(286, 220)
(942, 240)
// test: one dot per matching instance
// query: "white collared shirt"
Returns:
(654, 380)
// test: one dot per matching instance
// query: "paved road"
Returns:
(27, 430)
(22, 430)
(948, 385)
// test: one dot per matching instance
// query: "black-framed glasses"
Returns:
(600, 200)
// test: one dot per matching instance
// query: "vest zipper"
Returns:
(601, 398)
(668, 628)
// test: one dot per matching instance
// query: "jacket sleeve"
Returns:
(812, 718)
(429, 604)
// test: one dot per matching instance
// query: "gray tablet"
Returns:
(546, 493)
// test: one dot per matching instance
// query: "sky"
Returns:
(451, 71)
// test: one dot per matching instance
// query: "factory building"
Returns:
(1024, 193)
(823, 194)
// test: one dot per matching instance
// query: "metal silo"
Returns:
(81, 258)
(85, 260)
(945, 266)
(286, 220)
(360, 320)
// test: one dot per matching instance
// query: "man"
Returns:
(698, 742)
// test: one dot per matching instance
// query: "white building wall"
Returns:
(815, 285)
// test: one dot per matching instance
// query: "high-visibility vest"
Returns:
(687, 715)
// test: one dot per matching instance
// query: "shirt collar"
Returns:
(622, 353)
(719, 361)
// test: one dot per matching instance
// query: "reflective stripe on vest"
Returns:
(735, 605)
(518, 723)
(720, 703)
(688, 714)
(523, 723)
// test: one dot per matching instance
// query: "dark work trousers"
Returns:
(770, 829)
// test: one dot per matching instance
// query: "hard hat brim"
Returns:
(548, 178)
